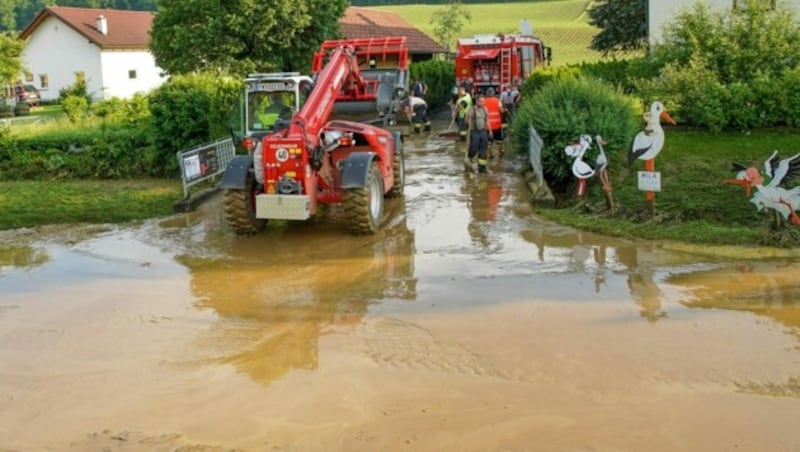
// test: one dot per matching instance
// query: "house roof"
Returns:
(130, 29)
(126, 29)
(369, 23)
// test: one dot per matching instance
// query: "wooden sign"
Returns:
(649, 180)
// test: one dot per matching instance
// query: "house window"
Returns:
(80, 77)
(132, 74)
(44, 81)
(28, 76)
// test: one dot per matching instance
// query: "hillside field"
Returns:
(562, 24)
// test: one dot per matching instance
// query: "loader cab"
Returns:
(267, 103)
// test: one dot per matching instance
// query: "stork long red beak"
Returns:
(743, 182)
(666, 117)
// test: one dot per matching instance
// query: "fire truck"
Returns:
(299, 159)
(492, 61)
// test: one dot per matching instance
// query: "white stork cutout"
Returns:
(580, 168)
(772, 192)
(648, 143)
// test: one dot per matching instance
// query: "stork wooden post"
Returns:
(646, 146)
(601, 166)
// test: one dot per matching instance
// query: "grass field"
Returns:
(562, 24)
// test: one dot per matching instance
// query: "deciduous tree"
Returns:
(623, 25)
(241, 36)
(10, 62)
(449, 20)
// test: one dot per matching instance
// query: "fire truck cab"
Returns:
(492, 61)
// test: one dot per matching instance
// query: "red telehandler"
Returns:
(294, 165)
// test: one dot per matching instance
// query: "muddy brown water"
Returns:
(467, 324)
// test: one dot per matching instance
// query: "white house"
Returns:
(661, 12)
(109, 49)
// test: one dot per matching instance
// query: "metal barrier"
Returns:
(535, 145)
(204, 162)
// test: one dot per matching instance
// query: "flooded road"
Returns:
(467, 324)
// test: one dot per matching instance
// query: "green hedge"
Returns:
(92, 153)
(438, 75)
(563, 110)
(186, 111)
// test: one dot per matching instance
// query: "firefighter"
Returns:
(495, 121)
(419, 107)
(508, 99)
(270, 109)
(419, 88)
(463, 105)
(478, 125)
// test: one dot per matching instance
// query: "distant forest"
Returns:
(17, 14)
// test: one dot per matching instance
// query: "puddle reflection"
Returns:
(276, 293)
(22, 257)
(770, 289)
(483, 194)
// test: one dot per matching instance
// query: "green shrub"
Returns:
(734, 68)
(76, 108)
(539, 79)
(692, 94)
(22, 109)
(621, 74)
(791, 97)
(6, 111)
(439, 76)
(77, 89)
(92, 152)
(131, 112)
(225, 94)
(566, 108)
(179, 118)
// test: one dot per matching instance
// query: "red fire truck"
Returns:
(497, 60)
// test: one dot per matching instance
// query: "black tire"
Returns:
(363, 206)
(240, 208)
(399, 179)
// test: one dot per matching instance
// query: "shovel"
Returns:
(450, 132)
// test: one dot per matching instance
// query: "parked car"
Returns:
(27, 93)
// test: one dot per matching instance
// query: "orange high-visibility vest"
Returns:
(493, 107)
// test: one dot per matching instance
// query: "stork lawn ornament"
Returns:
(772, 191)
(602, 171)
(580, 168)
(647, 144)
(584, 170)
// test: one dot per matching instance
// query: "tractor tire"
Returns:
(399, 180)
(240, 208)
(363, 206)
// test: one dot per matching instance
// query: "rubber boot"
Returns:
(468, 166)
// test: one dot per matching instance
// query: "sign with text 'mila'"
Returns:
(649, 181)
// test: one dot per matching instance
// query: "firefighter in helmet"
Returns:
(463, 104)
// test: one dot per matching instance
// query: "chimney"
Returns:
(102, 24)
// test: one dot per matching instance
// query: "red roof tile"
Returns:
(126, 29)
(130, 29)
(371, 23)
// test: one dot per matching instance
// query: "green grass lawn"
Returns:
(33, 203)
(695, 204)
(562, 24)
